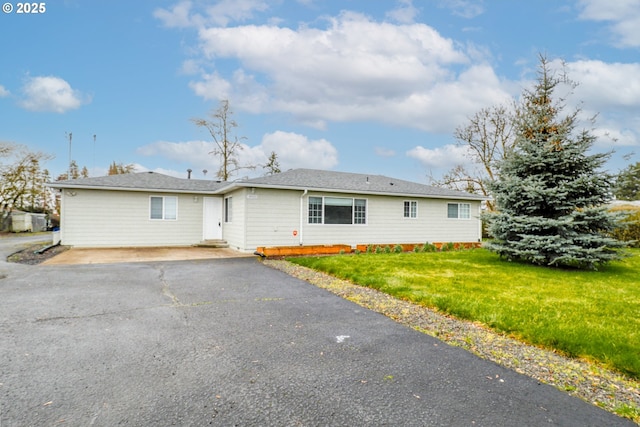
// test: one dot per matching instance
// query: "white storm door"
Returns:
(212, 221)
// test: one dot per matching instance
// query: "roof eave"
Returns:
(136, 189)
(346, 191)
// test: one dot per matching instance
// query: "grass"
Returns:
(589, 314)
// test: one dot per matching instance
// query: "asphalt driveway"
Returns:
(232, 342)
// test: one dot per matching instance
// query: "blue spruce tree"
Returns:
(551, 193)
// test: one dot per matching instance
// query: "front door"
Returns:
(212, 218)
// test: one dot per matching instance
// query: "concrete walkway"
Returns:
(117, 255)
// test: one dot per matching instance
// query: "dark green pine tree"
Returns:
(551, 194)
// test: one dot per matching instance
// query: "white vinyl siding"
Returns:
(234, 227)
(272, 217)
(99, 218)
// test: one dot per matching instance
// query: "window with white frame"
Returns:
(458, 210)
(315, 210)
(410, 209)
(337, 210)
(163, 207)
(228, 209)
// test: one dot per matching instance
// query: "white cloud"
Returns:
(623, 16)
(293, 151)
(444, 157)
(4, 92)
(212, 87)
(464, 8)
(610, 92)
(616, 137)
(604, 85)
(51, 94)
(355, 69)
(297, 151)
(405, 13)
(179, 16)
(183, 15)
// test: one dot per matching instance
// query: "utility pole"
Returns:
(94, 153)
(70, 135)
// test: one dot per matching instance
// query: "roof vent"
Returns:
(189, 173)
(368, 180)
(391, 183)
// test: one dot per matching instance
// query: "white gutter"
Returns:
(304, 193)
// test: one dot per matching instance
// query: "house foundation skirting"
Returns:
(282, 251)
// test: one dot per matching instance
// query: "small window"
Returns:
(315, 210)
(360, 211)
(164, 208)
(228, 209)
(410, 209)
(459, 210)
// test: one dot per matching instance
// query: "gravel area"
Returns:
(607, 389)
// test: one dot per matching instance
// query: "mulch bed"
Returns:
(31, 256)
(589, 381)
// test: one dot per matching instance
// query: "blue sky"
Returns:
(354, 85)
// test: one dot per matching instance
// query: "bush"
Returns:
(448, 247)
(397, 249)
(428, 247)
(628, 228)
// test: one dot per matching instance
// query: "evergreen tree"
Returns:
(628, 183)
(272, 166)
(551, 194)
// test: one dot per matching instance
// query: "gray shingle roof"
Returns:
(354, 183)
(142, 181)
(298, 179)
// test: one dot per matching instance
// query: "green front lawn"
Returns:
(589, 314)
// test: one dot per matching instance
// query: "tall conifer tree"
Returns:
(551, 194)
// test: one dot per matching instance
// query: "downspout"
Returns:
(304, 193)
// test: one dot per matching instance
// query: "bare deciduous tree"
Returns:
(221, 126)
(488, 137)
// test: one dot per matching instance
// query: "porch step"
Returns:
(214, 243)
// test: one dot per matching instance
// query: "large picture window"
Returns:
(458, 210)
(337, 210)
(163, 207)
